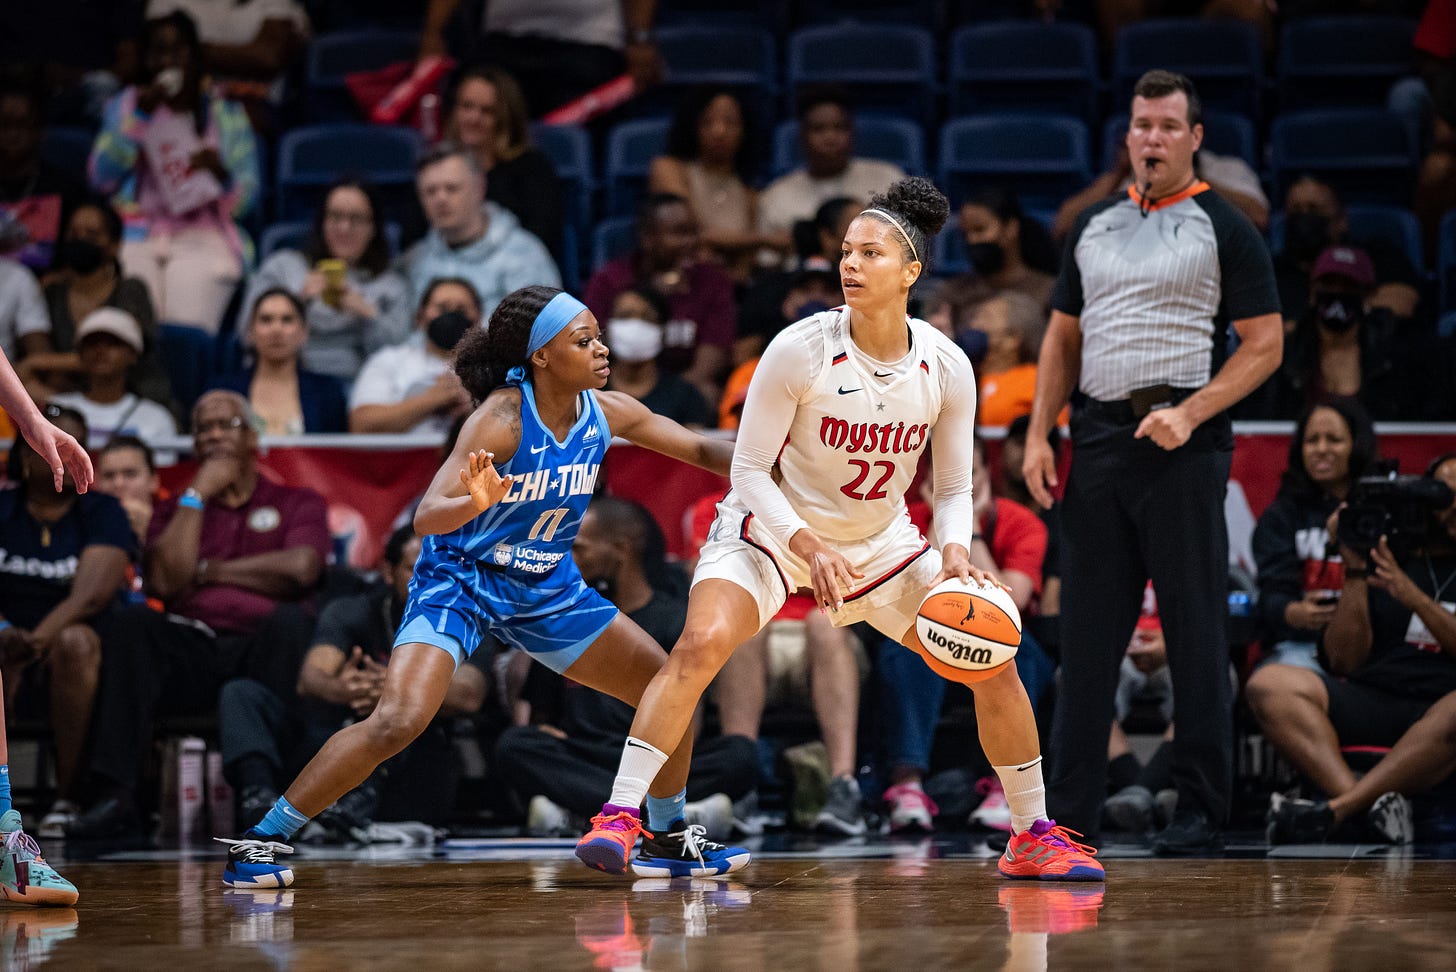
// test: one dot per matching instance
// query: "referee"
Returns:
(1149, 285)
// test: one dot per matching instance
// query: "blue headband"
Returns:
(559, 311)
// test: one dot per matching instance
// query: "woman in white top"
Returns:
(838, 414)
(109, 342)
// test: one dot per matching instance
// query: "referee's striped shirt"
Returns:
(1156, 288)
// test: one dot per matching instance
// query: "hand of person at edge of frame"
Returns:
(1039, 467)
(1386, 574)
(485, 485)
(956, 563)
(830, 572)
(61, 452)
(1168, 427)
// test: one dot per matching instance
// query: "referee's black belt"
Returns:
(1120, 411)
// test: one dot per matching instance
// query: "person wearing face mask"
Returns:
(410, 387)
(89, 277)
(1343, 347)
(1314, 220)
(1007, 251)
(634, 338)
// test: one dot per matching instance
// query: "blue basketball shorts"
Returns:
(453, 603)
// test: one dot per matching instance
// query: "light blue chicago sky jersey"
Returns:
(530, 531)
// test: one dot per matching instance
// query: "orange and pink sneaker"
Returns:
(609, 844)
(1047, 852)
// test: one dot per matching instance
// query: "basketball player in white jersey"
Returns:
(840, 409)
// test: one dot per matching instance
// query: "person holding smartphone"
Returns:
(1300, 576)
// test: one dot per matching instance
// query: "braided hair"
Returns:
(921, 210)
(485, 354)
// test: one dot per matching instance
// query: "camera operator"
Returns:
(1389, 656)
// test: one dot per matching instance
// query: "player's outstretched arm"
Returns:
(468, 482)
(635, 422)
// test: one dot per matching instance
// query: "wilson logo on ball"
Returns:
(968, 632)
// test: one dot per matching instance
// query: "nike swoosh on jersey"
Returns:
(848, 391)
(536, 451)
(887, 374)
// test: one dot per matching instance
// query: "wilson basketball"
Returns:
(968, 632)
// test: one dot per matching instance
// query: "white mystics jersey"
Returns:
(847, 432)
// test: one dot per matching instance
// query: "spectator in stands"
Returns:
(1013, 324)
(1389, 679)
(89, 277)
(180, 161)
(286, 398)
(826, 134)
(470, 238)
(236, 559)
(24, 326)
(126, 468)
(564, 759)
(1010, 540)
(701, 330)
(711, 151)
(266, 738)
(777, 298)
(249, 47)
(1300, 576)
(558, 52)
(410, 386)
(354, 303)
(634, 336)
(32, 190)
(1315, 220)
(1228, 175)
(488, 118)
(1008, 251)
(1343, 347)
(109, 343)
(65, 561)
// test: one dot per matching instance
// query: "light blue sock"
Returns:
(4, 788)
(282, 821)
(663, 812)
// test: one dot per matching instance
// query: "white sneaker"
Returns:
(994, 812)
(714, 814)
(1390, 818)
(910, 808)
(547, 819)
(53, 825)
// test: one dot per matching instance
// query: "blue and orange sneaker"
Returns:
(686, 851)
(252, 863)
(25, 877)
(608, 845)
(1046, 852)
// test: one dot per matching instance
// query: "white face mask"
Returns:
(633, 340)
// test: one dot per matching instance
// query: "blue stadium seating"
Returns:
(189, 354)
(1223, 133)
(1446, 261)
(67, 148)
(1342, 61)
(294, 236)
(948, 250)
(897, 140)
(1367, 154)
(631, 147)
(888, 67)
(312, 156)
(1391, 225)
(613, 237)
(1024, 66)
(1222, 57)
(741, 59)
(1044, 158)
(1446, 326)
(924, 12)
(333, 56)
(569, 149)
(770, 15)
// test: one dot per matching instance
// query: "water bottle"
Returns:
(1240, 604)
(430, 118)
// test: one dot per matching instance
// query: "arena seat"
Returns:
(1329, 62)
(312, 156)
(1391, 225)
(612, 237)
(190, 354)
(891, 139)
(569, 149)
(888, 66)
(631, 147)
(333, 56)
(1367, 154)
(1044, 158)
(1024, 66)
(67, 148)
(1222, 57)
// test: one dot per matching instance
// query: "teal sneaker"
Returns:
(25, 877)
(686, 851)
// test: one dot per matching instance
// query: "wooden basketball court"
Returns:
(904, 906)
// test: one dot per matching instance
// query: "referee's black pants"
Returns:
(1131, 512)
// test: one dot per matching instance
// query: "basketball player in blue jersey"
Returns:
(498, 522)
(838, 414)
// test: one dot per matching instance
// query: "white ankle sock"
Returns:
(1025, 793)
(640, 764)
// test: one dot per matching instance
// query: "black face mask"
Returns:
(82, 256)
(1338, 313)
(1306, 234)
(446, 330)
(986, 258)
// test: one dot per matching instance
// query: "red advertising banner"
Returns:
(367, 489)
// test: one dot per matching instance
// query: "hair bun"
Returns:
(919, 201)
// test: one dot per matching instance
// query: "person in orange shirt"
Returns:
(1013, 324)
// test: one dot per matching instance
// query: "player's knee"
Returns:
(77, 649)
(700, 654)
(394, 725)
